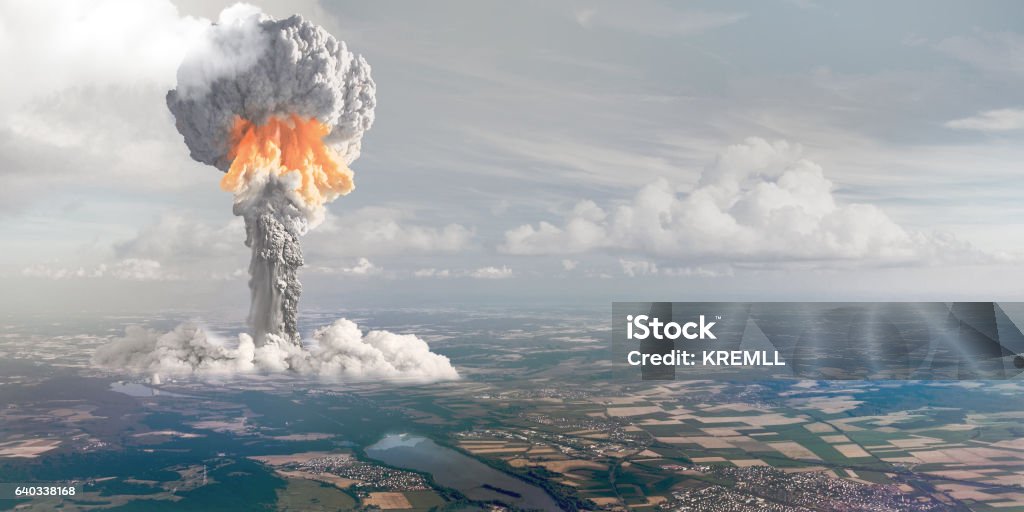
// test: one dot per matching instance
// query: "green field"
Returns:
(307, 495)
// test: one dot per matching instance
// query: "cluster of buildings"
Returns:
(774, 490)
(565, 393)
(369, 476)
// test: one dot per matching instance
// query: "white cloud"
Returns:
(91, 77)
(177, 238)
(57, 144)
(138, 269)
(502, 272)
(758, 202)
(490, 272)
(385, 231)
(185, 242)
(174, 247)
(1000, 120)
(634, 268)
(638, 268)
(570, 265)
(56, 273)
(432, 272)
(363, 267)
(129, 269)
(51, 45)
(698, 271)
(344, 351)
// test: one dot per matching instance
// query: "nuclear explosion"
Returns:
(283, 129)
(280, 107)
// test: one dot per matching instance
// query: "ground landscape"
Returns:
(537, 421)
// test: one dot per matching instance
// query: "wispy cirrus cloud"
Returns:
(653, 19)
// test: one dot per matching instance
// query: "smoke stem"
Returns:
(272, 233)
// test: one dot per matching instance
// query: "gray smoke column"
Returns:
(272, 230)
(280, 106)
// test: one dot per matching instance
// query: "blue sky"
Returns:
(545, 151)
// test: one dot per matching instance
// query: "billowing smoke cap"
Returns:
(252, 66)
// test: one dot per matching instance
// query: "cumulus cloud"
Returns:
(339, 351)
(502, 272)
(569, 265)
(698, 271)
(759, 201)
(94, 80)
(489, 272)
(138, 269)
(638, 268)
(1000, 120)
(363, 267)
(344, 351)
(634, 268)
(96, 45)
(432, 272)
(43, 271)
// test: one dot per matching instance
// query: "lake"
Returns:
(457, 471)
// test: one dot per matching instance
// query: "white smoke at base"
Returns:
(338, 351)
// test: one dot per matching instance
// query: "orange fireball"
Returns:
(284, 145)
